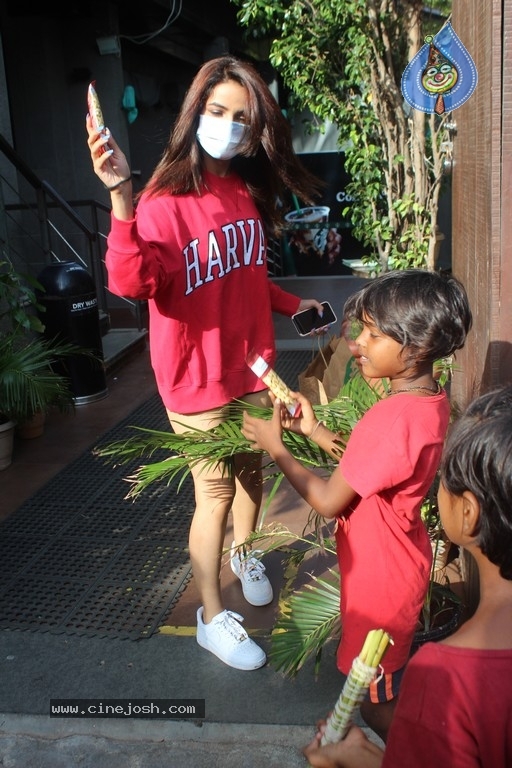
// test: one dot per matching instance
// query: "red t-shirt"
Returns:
(383, 549)
(200, 260)
(454, 710)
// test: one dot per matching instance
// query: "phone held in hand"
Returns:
(308, 321)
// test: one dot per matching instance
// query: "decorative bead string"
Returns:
(435, 391)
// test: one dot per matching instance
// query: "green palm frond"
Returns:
(269, 538)
(27, 382)
(309, 616)
(183, 452)
(179, 453)
(307, 619)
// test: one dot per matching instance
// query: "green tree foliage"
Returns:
(343, 61)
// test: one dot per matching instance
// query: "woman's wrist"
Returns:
(118, 184)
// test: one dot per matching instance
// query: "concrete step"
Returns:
(120, 344)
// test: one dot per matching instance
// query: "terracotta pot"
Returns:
(33, 427)
(6, 443)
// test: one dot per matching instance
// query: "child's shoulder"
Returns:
(408, 403)
(403, 412)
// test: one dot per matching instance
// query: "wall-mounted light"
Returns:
(108, 45)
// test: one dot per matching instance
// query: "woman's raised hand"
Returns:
(109, 162)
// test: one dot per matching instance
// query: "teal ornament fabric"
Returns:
(129, 104)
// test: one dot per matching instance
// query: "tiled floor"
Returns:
(67, 435)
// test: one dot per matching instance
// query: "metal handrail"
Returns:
(46, 199)
(19, 163)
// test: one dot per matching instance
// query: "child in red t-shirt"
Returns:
(410, 319)
(468, 724)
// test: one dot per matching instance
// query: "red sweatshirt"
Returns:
(201, 263)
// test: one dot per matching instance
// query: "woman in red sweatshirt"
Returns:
(195, 247)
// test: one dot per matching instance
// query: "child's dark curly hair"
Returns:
(423, 311)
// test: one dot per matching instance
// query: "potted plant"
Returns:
(443, 608)
(16, 295)
(28, 384)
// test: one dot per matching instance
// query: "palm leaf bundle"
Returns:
(362, 672)
(308, 617)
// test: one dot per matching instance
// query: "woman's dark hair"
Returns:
(267, 161)
(477, 457)
(423, 311)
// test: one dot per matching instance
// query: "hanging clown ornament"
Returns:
(442, 75)
(439, 77)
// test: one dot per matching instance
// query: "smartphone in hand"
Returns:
(308, 321)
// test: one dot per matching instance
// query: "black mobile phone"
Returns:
(308, 321)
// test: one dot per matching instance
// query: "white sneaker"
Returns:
(224, 637)
(250, 570)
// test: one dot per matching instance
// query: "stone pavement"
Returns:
(33, 742)
(259, 718)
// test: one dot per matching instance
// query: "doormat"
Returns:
(79, 558)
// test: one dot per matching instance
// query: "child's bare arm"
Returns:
(329, 497)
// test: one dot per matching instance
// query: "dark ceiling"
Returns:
(185, 28)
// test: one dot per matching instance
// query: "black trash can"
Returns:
(71, 316)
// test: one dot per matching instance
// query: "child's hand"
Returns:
(305, 423)
(264, 434)
(355, 751)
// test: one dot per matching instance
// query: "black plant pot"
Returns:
(440, 631)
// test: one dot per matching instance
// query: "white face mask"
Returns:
(218, 137)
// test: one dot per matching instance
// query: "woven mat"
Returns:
(78, 557)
